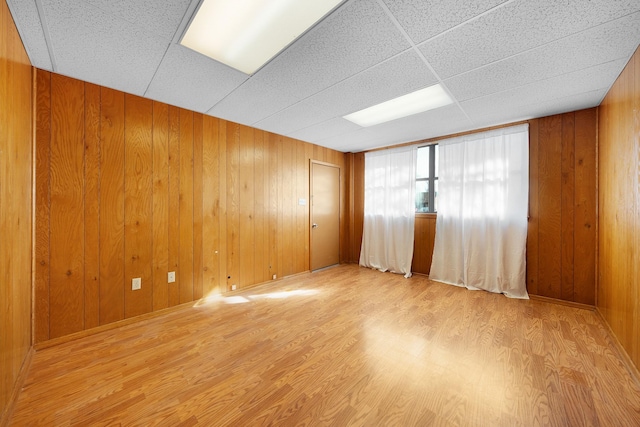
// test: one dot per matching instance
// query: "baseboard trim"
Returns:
(626, 359)
(562, 302)
(17, 388)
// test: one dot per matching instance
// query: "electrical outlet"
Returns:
(136, 283)
(274, 277)
(233, 287)
(171, 277)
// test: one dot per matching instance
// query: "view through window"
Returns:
(427, 179)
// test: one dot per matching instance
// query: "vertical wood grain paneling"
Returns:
(233, 203)
(619, 208)
(43, 178)
(550, 203)
(198, 261)
(567, 205)
(160, 197)
(423, 243)
(172, 190)
(246, 231)
(584, 254)
(186, 206)
(138, 204)
(111, 206)
(274, 197)
(534, 216)
(66, 289)
(174, 203)
(16, 221)
(261, 197)
(92, 206)
(211, 206)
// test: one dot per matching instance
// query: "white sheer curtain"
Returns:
(389, 210)
(481, 229)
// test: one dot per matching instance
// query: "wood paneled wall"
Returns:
(561, 239)
(15, 205)
(619, 209)
(127, 187)
(561, 243)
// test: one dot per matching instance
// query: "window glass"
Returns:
(422, 196)
(422, 169)
(426, 179)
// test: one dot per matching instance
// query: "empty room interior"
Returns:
(338, 212)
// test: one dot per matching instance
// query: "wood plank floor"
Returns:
(345, 346)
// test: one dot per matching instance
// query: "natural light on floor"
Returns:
(238, 299)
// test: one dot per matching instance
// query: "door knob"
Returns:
(314, 225)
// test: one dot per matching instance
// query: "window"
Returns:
(427, 179)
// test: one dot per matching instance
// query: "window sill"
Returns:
(426, 214)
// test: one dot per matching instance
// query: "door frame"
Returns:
(318, 162)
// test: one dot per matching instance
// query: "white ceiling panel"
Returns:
(192, 80)
(500, 60)
(296, 117)
(425, 19)
(517, 27)
(106, 50)
(556, 106)
(390, 79)
(324, 130)
(27, 19)
(358, 35)
(607, 42)
(251, 102)
(588, 80)
(159, 17)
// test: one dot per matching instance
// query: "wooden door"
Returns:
(325, 215)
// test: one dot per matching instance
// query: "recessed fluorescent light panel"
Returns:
(246, 34)
(416, 102)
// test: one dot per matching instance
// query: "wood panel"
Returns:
(165, 189)
(138, 204)
(174, 204)
(618, 296)
(92, 206)
(185, 270)
(16, 221)
(424, 240)
(43, 197)
(112, 206)
(160, 197)
(66, 288)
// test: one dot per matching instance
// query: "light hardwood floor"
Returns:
(345, 346)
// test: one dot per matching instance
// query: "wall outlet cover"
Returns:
(136, 283)
(171, 277)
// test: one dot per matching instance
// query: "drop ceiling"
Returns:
(500, 61)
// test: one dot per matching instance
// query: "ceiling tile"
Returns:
(27, 19)
(395, 77)
(296, 117)
(191, 80)
(614, 40)
(355, 37)
(516, 27)
(587, 80)
(160, 17)
(425, 19)
(104, 50)
(324, 130)
(516, 113)
(251, 102)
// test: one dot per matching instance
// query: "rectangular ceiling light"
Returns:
(416, 102)
(246, 34)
